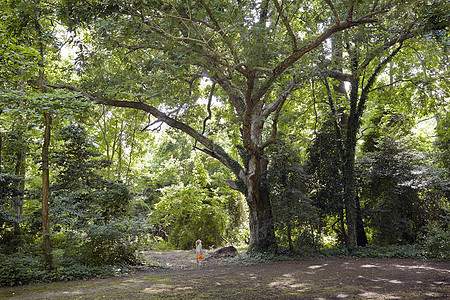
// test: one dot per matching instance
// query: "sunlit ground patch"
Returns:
(162, 288)
(287, 281)
(314, 267)
(372, 295)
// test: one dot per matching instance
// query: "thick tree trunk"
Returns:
(355, 226)
(349, 199)
(262, 233)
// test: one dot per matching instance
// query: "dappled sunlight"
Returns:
(393, 281)
(318, 279)
(163, 288)
(314, 267)
(372, 295)
(434, 294)
(370, 266)
(348, 266)
(72, 293)
(421, 267)
(288, 281)
(134, 281)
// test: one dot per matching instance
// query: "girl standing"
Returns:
(198, 251)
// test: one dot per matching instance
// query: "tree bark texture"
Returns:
(45, 150)
(355, 225)
(46, 190)
(262, 234)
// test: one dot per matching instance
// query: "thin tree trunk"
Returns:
(289, 236)
(349, 166)
(46, 190)
(337, 59)
(1, 148)
(361, 238)
(342, 225)
(120, 154)
(45, 150)
(133, 142)
(18, 200)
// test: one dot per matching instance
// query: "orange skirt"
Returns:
(199, 256)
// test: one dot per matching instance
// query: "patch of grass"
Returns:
(155, 278)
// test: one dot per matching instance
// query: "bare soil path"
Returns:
(327, 278)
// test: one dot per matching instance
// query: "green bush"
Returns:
(20, 268)
(28, 268)
(187, 213)
(114, 243)
(437, 243)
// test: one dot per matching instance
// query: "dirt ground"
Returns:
(327, 278)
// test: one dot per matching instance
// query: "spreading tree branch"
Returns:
(212, 149)
(387, 45)
(366, 90)
(333, 9)
(220, 31)
(296, 55)
(287, 24)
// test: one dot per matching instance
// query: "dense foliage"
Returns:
(282, 126)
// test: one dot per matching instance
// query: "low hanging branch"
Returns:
(212, 149)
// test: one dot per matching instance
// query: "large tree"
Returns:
(153, 55)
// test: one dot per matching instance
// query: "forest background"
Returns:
(282, 127)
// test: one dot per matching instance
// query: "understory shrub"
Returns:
(28, 268)
(437, 243)
(113, 243)
(20, 268)
(187, 213)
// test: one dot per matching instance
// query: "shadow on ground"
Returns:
(306, 279)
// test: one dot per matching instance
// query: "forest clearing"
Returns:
(325, 278)
(132, 131)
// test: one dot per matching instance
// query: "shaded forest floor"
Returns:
(327, 278)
